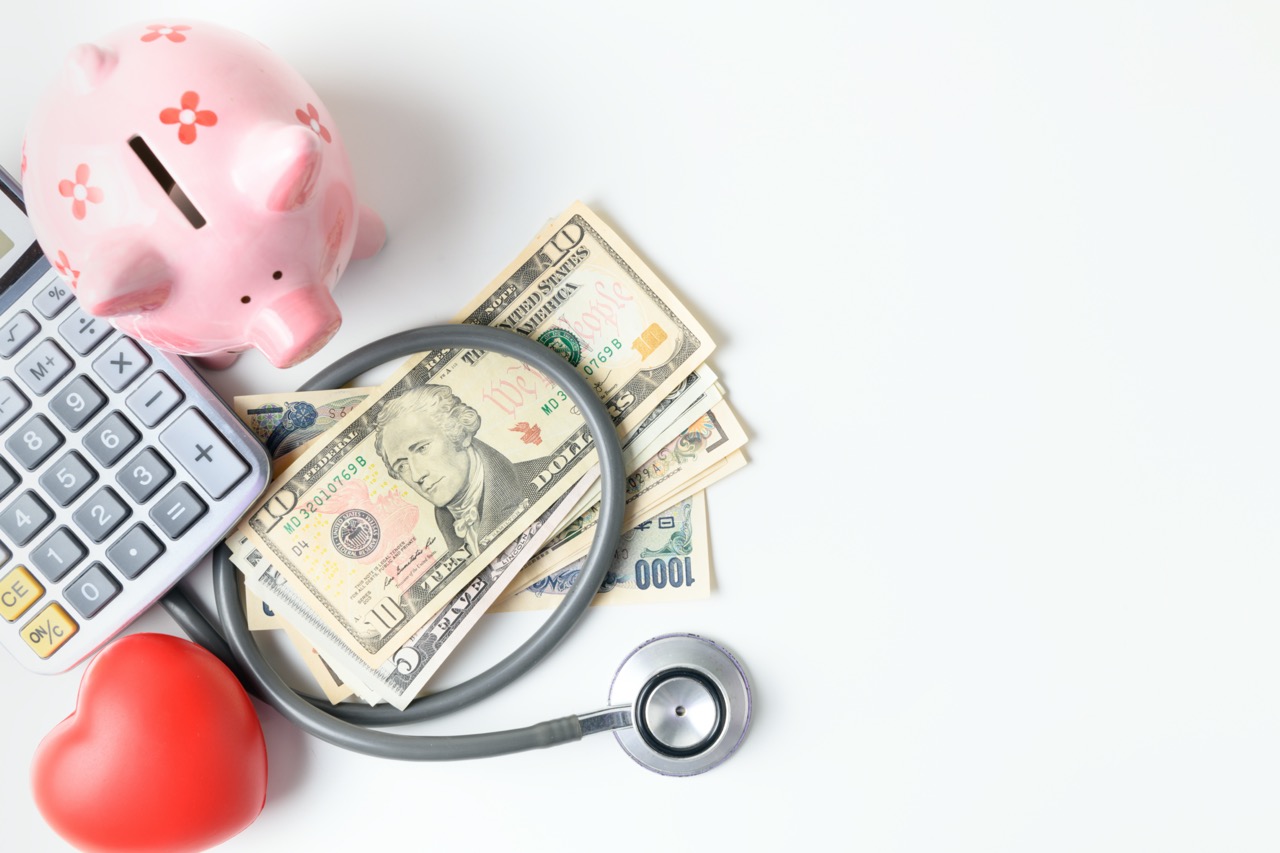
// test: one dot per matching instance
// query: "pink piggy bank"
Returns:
(190, 186)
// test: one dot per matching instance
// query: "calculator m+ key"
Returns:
(120, 468)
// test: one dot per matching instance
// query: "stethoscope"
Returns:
(679, 704)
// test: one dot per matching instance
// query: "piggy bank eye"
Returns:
(244, 299)
(277, 275)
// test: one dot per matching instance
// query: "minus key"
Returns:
(154, 399)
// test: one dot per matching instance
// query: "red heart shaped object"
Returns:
(164, 752)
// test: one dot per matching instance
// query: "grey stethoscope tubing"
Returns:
(692, 705)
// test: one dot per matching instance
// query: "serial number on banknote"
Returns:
(312, 506)
(608, 351)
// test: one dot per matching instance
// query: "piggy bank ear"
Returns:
(89, 66)
(279, 166)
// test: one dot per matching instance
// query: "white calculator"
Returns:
(120, 468)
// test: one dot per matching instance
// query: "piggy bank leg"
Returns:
(371, 233)
(220, 361)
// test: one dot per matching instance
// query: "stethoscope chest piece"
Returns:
(691, 704)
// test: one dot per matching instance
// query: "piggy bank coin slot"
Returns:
(166, 181)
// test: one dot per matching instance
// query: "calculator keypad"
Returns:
(24, 518)
(91, 591)
(42, 369)
(12, 402)
(116, 465)
(122, 363)
(66, 479)
(111, 439)
(77, 402)
(58, 554)
(142, 476)
(18, 591)
(32, 442)
(102, 513)
(16, 331)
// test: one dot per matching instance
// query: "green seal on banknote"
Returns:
(564, 342)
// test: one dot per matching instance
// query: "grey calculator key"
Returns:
(78, 401)
(66, 479)
(24, 518)
(143, 475)
(54, 295)
(8, 478)
(17, 330)
(134, 551)
(58, 554)
(90, 592)
(121, 363)
(203, 451)
(12, 402)
(100, 514)
(178, 510)
(154, 398)
(111, 439)
(32, 442)
(44, 366)
(5, 554)
(83, 331)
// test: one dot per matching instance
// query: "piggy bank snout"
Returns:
(293, 326)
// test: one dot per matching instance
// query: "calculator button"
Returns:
(100, 514)
(46, 633)
(111, 439)
(12, 402)
(44, 366)
(178, 510)
(18, 591)
(90, 592)
(19, 329)
(54, 295)
(25, 517)
(203, 451)
(8, 479)
(134, 551)
(77, 402)
(143, 475)
(58, 554)
(154, 398)
(67, 478)
(121, 363)
(83, 331)
(32, 442)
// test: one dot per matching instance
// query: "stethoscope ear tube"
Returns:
(346, 725)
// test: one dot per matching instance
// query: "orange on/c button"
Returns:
(46, 633)
(18, 591)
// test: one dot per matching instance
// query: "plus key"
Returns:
(202, 450)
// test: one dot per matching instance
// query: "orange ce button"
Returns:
(18, 591)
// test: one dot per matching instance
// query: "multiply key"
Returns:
(121, 363)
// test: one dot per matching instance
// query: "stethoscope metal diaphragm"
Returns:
(691, 706)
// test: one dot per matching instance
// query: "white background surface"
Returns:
(995, 288)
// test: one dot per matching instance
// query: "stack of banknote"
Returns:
(467, 483)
